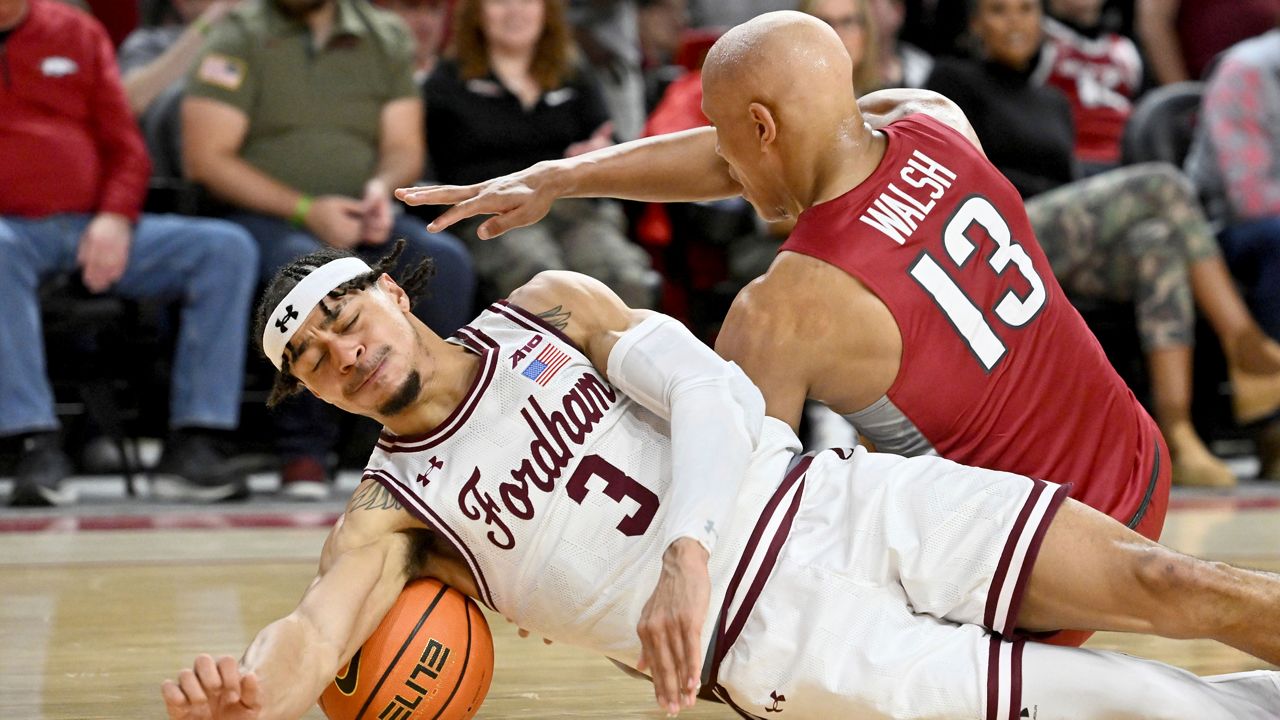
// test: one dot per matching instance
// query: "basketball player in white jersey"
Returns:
(599, 476)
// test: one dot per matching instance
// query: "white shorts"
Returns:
(881, 599)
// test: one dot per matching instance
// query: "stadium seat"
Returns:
(1162, 125)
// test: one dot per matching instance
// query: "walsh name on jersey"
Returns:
(896, 212)
(556, 438)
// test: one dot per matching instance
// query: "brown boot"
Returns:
(1254, 396)
(1193, 464)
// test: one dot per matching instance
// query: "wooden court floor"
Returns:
(93, 619)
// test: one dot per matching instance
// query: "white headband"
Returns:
(297, 305)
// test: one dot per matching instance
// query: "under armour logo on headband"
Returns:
(302, 299)
(289, 315)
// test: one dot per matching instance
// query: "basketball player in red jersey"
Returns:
(911, 297)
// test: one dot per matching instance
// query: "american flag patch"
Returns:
(546, 365)
(222, 70)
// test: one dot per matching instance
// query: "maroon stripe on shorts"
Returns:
(1033, 550)
(766, 565)
(1015, 680)
(993, 678)
(721, 640)
(1006, 556)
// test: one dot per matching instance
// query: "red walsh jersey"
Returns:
(998, 370)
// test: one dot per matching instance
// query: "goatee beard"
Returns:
(404, 397)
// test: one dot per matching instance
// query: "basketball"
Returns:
(431, 657)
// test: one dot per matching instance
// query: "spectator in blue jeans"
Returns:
(303, 115)
(72, 182)
(1235, 162)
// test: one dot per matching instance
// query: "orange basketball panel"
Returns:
(431, 658)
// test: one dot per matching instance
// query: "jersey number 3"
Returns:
(969, 321)
(617, 485)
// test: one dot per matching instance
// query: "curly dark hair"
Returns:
(414, 285)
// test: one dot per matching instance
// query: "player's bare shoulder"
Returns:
(883, 107)
(588, 313)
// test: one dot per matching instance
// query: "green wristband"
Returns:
(299, 217)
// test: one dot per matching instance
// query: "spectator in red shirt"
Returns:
(1099, 72)
(71, 189)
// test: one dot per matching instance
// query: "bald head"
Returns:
(780, 57)
(779, 90)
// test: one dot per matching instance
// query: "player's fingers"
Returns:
(229, 671)
(679, 660)
(499, 224)
(191, 687)
(459, 212)
(522, 632)
(692, 664)
(436, 194)
(174, 699)
(250, 691)
(207, 673)
(656, 640)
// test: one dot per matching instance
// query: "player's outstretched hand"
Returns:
(671, 626)
(515, 200)
(212, 690)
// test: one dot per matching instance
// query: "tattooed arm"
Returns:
(365, 563)
(581, 307)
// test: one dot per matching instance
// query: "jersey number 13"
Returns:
(969, 321)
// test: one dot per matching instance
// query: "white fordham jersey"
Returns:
(552, 485)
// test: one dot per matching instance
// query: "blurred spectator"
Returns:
(854, 23)
(1235, 161)
(1100, 74)
(608, 33)
(1136, 233)
(119, 18)
(660, 23)
(901, 63)
(510, 96)
(1182, 37)
(71, 189)
(428, 20)
(936, 26)
(303, 115)
(727, 13)
(153, 59)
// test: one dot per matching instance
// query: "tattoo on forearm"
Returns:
(557, 317)
(374, 497)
